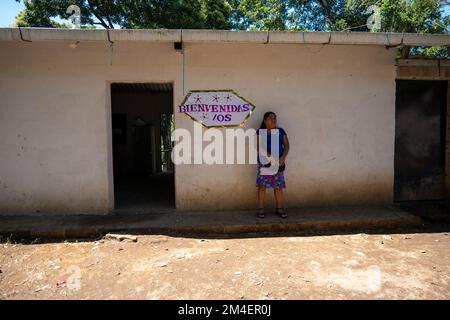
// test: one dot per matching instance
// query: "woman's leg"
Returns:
(278, 197)
(279, 200)
(261, 196)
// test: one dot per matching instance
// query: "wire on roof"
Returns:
(21, 35)
(111, 47)
(322, 45)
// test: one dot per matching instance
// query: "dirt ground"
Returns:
(359, 266)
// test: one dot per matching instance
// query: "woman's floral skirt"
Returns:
(270, 181)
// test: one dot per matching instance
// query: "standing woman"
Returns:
(274, 181)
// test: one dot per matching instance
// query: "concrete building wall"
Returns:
(337, 105)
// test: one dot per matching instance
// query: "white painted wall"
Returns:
(336, 104)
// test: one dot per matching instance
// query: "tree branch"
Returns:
(110, 22)
(94, 12)
(327, 10)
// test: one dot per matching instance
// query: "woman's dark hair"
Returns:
(266, 115)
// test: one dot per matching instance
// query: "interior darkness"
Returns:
(420, 140)
(142, 125)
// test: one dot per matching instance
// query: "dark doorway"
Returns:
(142, 126)
(420, 140)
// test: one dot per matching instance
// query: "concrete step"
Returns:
(233, 222)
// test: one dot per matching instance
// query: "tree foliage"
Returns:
(149, 14)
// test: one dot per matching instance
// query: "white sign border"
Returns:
(241, 125)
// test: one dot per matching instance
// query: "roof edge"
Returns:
(192, 35)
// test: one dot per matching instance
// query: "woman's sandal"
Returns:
(281, 213)
(261, 213)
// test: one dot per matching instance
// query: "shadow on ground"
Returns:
(434, 215)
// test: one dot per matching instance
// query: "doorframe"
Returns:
(430, 69)
(109, 144)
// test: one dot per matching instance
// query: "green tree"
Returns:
(130, 13)
(259, 14)
(218, 14)
(416, 16)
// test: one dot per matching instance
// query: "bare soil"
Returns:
(359, 266)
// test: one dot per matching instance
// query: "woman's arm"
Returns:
(286, 150)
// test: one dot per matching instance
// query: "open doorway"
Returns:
(142, 129)
(420, 140)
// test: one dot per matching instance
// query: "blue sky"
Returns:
(9, 9)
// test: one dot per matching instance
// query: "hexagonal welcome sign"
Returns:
(217, 108)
